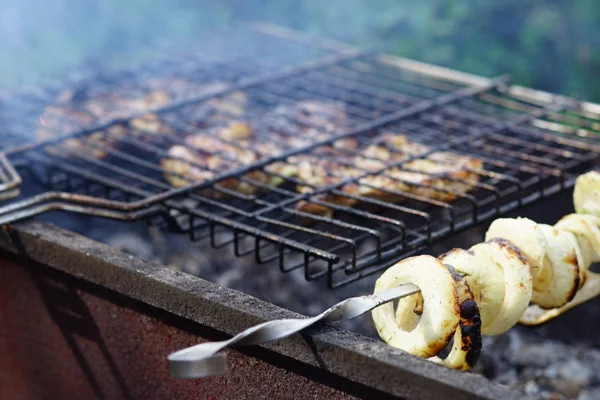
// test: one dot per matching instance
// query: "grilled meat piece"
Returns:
(75, 110)
(71, 112)
(283, 128)
(306, 122)
(213, 110)
(310, 114)
(440, 176)
(220, 149)
(91, 145)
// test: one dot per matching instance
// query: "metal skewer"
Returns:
(206, 359)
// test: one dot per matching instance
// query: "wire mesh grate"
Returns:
(341, 166)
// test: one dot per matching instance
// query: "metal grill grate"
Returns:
(392, 160)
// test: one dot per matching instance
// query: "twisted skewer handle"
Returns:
(206, 359)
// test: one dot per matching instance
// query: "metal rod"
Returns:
(205, 360)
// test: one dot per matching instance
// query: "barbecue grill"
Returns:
(532, 146)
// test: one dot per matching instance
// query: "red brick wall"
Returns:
(58, 341)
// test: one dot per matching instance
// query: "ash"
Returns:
(541, 366)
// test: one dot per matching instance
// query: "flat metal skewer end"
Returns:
(206, 359)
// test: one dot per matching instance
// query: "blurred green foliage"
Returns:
(551, 45)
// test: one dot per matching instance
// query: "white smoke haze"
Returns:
(545, 44)
(42, 40)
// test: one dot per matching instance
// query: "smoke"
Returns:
(44, 40)
(545, 44)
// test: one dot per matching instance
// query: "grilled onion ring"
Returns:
(478, 267)
(585, 226)
(466, 348)
(563, 265)
(587, 229)
(554, 255)
(518, 284)
(586, 195)
(524, 234)
(551, 253)
(500, 278)
(441, 307)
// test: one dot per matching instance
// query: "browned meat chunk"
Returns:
(440, 176)
(305, 122)
(217, 151)
(70, 112)
(203, 158)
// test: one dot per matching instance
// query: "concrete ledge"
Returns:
(345, 354)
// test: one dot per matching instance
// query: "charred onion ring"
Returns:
(424, 323)
(499, 274)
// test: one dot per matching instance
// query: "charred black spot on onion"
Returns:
(469, 309)
(470, 326)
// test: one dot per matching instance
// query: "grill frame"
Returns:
(133, 204)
